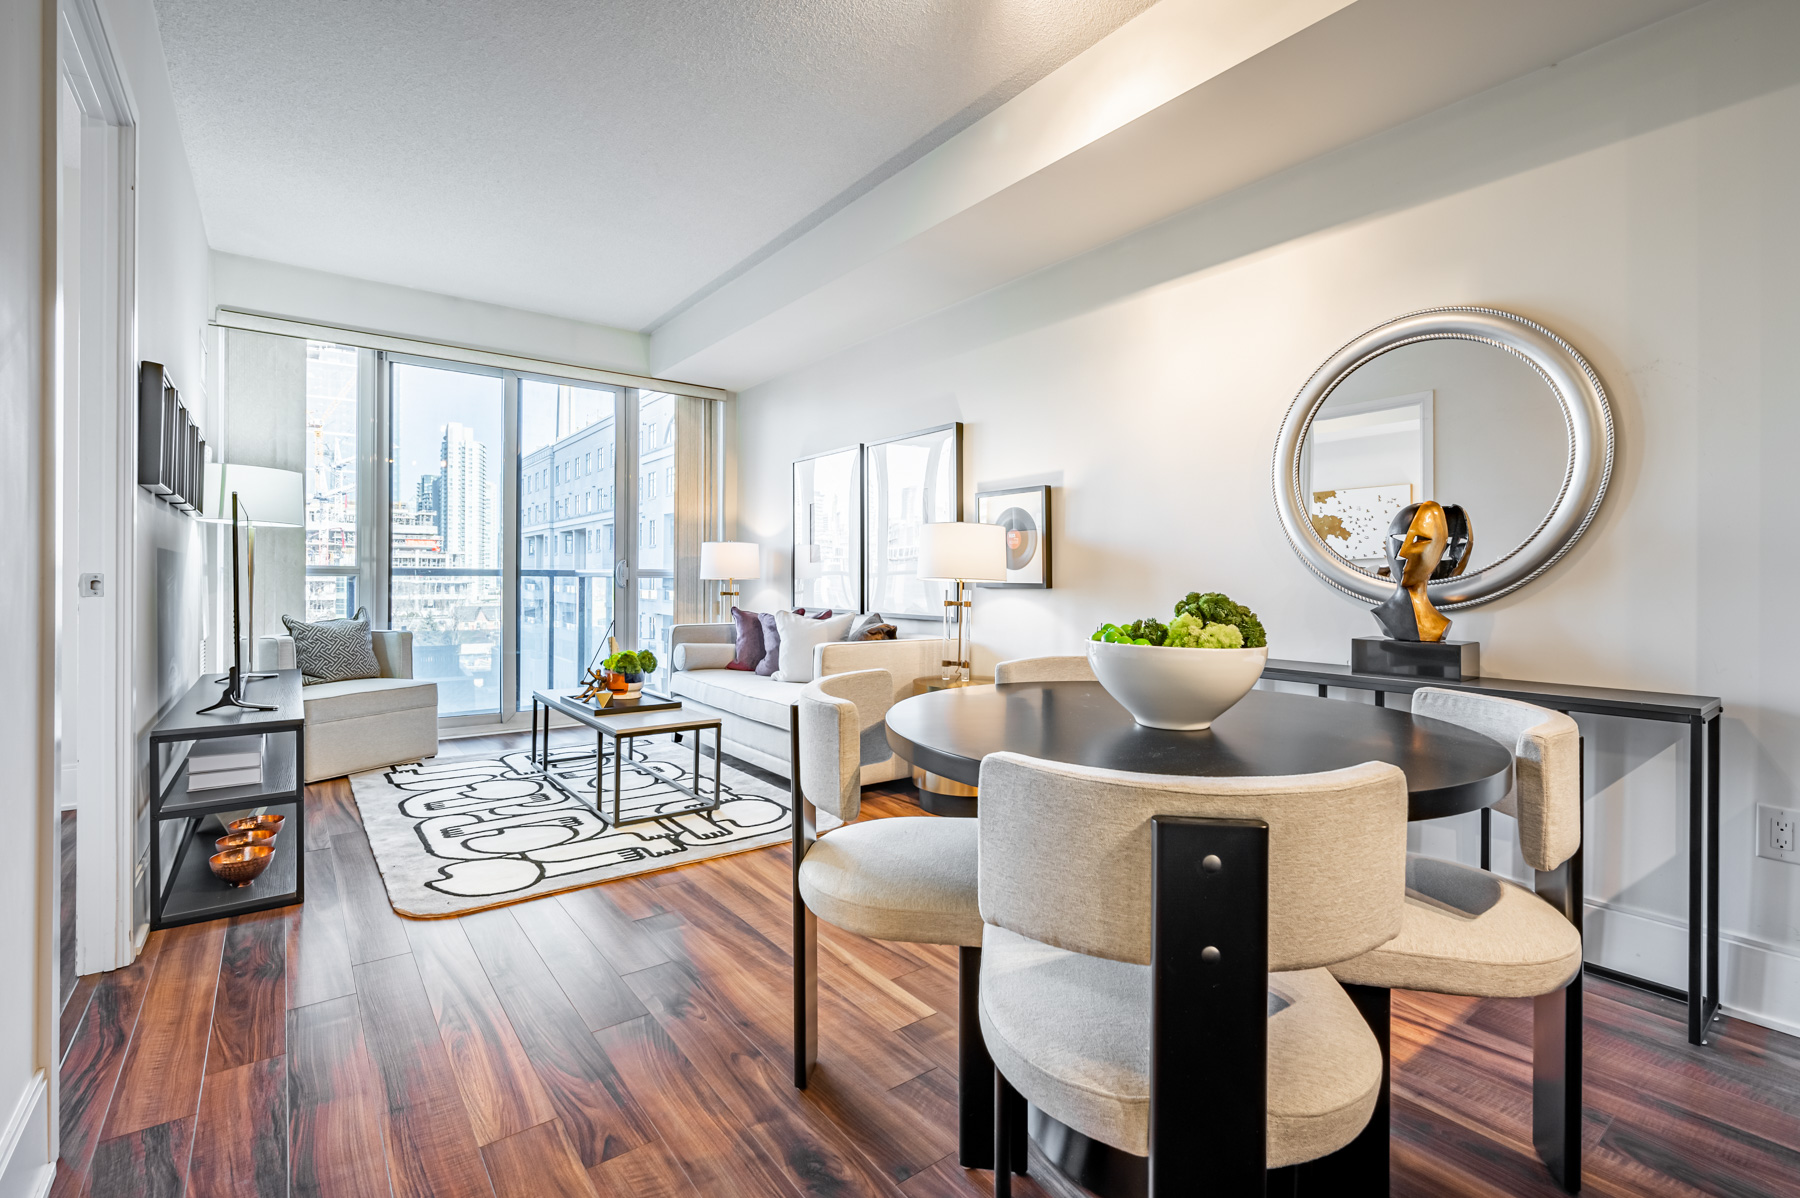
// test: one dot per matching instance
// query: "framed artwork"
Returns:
(908, 482)
(1024, 512)
(828, 530)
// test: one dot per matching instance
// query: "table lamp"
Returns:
(728, 561)
(961, 553)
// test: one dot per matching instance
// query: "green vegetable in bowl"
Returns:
(640, 662)
(1147, 631)
(1189, 631)
(1215, 608)
(1112, 634)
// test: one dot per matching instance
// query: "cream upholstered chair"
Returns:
(1471, 932)
(1151, 966)
(910, 879)
(1044, 669)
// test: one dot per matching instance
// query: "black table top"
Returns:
(1561, 696)
(1449, 769)
(184, 721)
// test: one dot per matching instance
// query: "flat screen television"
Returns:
(243, 611)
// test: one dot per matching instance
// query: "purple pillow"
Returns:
(771, 640)
(749, 640)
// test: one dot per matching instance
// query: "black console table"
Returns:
(1699, 712)
(182, 886)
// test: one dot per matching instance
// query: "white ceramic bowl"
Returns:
(1182, 689)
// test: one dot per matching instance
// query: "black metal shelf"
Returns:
(186, 890)
(193, 894)
(280, 778)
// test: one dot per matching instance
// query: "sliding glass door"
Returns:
(528, 519)
(447, 541)
(568, 542)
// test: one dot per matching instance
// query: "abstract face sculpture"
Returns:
(1425, 541)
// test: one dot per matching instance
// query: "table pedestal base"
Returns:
(1099, 1167)
(944, 796)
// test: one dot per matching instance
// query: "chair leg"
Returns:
(974, 1068)
(1003, 1113)
(806, 992)
(1556, 1083)
(1361, 1166)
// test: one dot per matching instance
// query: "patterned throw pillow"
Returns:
(333, 650)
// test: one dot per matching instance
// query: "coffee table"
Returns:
(665, 717)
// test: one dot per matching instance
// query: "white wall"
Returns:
(276, 289)
(27, 223)
(173, 308)
(1639, 199)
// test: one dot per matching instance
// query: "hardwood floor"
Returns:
(632, 1039)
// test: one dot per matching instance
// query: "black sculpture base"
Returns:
(1453, 661)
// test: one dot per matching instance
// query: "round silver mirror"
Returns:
(1468, 406)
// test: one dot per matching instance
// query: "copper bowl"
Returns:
(239, 840)
(268, 822)
(240, 867)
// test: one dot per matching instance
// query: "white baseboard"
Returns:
(24, 1144)
(1760, 983)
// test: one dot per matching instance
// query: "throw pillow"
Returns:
(333, 650)
(749, 651)
(799, 634)
(867, 628)
(772, 637)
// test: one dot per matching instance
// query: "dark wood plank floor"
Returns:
(632, 1040)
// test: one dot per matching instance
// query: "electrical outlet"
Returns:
(1777, 833)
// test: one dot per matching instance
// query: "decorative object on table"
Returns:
(492, 855)
(1146, 665)
(961, 554)
(908, 483)
(1425, 541)
(171, 451)
(1024, 512)
(728, 561)
(1444, 661)
(827, 558)
(339, 650)
(596, 690)
(1519, 429)
(800, 635)
(226, 761)
(625, 671)
(240, 840)
(240, 867)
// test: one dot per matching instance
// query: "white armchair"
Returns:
(365, 723)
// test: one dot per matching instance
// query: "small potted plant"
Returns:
(1184, 674)
(625, 671)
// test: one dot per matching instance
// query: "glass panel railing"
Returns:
(455, 621)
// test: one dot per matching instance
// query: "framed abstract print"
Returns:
(1025, 514)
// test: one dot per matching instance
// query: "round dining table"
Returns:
(1449, 770)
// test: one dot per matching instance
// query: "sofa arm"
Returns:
(906, 659)
(698, 634)
(393, 652)
(273, 653)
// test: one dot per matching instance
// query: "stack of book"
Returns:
(227, 761)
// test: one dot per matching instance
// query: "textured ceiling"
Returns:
(607, 161)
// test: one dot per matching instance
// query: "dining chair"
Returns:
(1152, 962)
(906, 878)
(1044, 669)
(1471, 932)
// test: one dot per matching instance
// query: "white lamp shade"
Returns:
(971, 552)
(730, 559)
(271, 497)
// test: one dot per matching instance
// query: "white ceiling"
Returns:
(605, 161)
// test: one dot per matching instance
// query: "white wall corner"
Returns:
(26, 1167)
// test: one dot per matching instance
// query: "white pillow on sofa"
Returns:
(799, 634)
(698, 655)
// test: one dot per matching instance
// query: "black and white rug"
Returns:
(466, 834)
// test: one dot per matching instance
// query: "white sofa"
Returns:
(365, 723)
(753, 709)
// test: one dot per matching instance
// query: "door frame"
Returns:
(107, 931)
